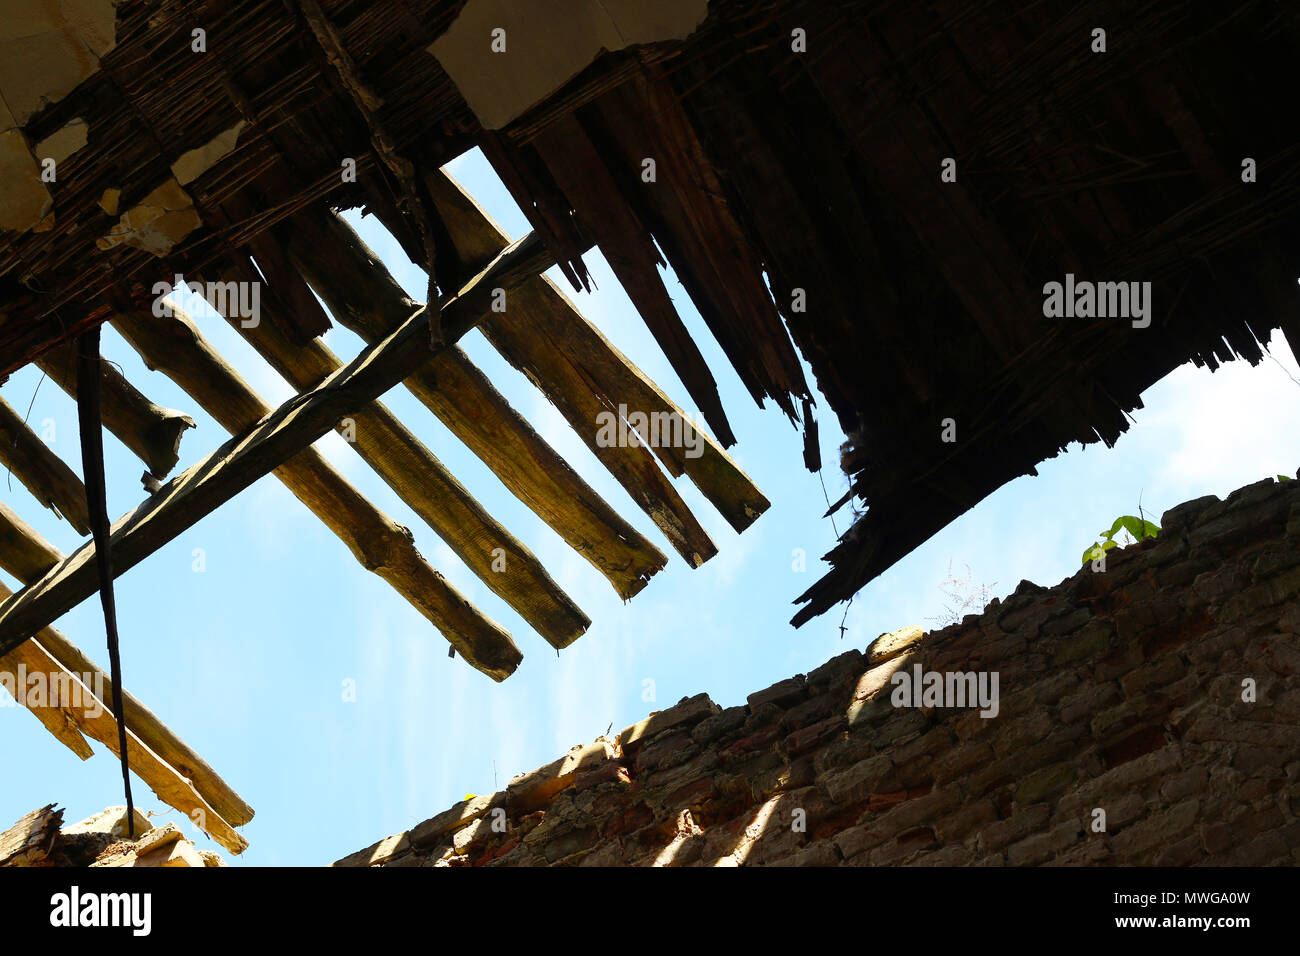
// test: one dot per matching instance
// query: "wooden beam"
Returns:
(23, 552)
(151, 432)
(545, 336)
(630, 251)
(28, 556)
(30, 660)
(201, 489)
(47, 476)
(365, 298)
(499, 559)
(174, 346)
(93, 717)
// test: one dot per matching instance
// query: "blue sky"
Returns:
(246, 661)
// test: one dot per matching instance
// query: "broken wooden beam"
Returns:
(174, 346)
(151, 432)
(364, 297)
(500, 560)
(628, 247)
(30, 840)
(545, 336)
(28, 556)
(48, 477)
(30, 660)
(90, 715)
(186, 499)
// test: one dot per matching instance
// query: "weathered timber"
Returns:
(424, 483)
(97, 721)
(630, 251)
(47, 476)
(236, 464)
(28, 556)
(364, 297)
(174, 346)
(30, 839)
(151, 432)
(544, 335)
(30, 660)
(23, 552)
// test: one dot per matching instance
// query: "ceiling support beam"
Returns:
(235, 465)
(365, 298)
(496, 556)
(48, 477)
(28, 556)
(151, 432)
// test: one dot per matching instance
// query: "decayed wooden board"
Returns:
(199, 490)
(174, 346)
(629, 249)
(424, 483)
(633, 465)
(47, 476)
(153, 433)
(30, 839)
(28, 556)
(363, 296)
(545, 336)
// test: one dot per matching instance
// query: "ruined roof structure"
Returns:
(880, 189)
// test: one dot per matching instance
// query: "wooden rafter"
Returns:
(546, 337)
(364, 297)
(496, 556)
(153, 433)
(200, 489)
(48, 477)
(28, 556)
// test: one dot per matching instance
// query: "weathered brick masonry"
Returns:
(1120, 690)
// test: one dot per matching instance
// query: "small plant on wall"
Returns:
(1135, 528)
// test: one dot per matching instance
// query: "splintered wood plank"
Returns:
(47, 476)
(364, 297)
(30, 839)
(153, 433)
(500, 560)
(544, 335)
(198, 491)
(630, 251)
(175, 346)
(690, 217)
(28, 556)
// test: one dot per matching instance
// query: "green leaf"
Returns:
(1284, 478)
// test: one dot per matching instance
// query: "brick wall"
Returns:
(1119, 691)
